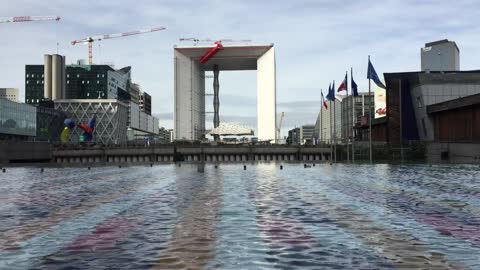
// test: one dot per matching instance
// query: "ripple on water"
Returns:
(165, 217)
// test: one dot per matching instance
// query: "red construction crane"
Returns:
(90, 40)
(217, 46)
(28, 19)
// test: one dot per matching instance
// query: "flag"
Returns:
(331, 93)
(354, 87)
(343, 86)
(372, 75)
(324, 102)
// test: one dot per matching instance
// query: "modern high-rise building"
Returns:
(81, 82)
(323, 127)
(352, 116)
(145, 103)
(442, 55)
(93, 90)
(9, 93)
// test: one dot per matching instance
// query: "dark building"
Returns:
(34, 79)
(82, 82)
(145, 103)
(293, 136)
(410, 94)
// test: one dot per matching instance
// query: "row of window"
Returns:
(68, 75)
(38, 82)
(33, 75)
(78, 76)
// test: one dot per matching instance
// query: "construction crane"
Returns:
(28, 19)
(90, 40)
(279, 127)
(217, 46)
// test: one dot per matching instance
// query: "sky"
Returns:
(316, 41)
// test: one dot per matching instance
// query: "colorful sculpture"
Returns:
(69, 125)
(87, 136)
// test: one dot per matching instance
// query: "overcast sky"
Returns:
(316, 42)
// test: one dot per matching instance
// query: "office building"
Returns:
(323, 128)
(145, 103)
(9, 93)
(293, 136)
(189, 83)
(81, 82)
(18, 121)
(442, 55)
(111, 118)
(356, 115)
(411, 94)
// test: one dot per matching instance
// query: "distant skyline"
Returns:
(315, 43)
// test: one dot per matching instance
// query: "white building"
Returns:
(189, 115)
(323, 128)
(9, 93)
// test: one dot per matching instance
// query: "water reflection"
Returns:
(167, 217)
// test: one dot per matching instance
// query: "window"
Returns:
(98, 75)
(98, 82)
(68, 75)
(68, 82)
(88, 82)
(103, 75)
(78, 75)
(42, 75)
(27, 82)
(42, 82)
(28, 75)
(38, 82)
(83, 82)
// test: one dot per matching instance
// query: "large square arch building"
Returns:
(189, 116)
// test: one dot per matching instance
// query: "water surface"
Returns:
(168, 217)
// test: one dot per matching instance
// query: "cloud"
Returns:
(316, 42)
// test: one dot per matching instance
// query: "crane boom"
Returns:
(110, 36)
(28, 19)
(90, 40)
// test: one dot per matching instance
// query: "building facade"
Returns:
(410, 94)
(18, 121)
(323, 128)
(189, 83)
(442, 55)
(81, 82)
(355, 111)
(145, 103)
(9, 93)
(111, 118)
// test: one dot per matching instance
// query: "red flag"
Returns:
(324, 102)
(343, 85)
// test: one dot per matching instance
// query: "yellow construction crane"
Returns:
(279, 127)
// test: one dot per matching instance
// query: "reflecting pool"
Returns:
(169, 217)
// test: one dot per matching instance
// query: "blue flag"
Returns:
(354, 87)
(372, 75)
(331, 93)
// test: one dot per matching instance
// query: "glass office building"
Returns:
(17, 120)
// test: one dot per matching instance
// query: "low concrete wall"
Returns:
(453, 153)
(25, 152)
(190, 153)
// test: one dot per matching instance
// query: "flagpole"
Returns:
(370, 116)
(321, 120)
(334, 125)
(353, 117)
(346, 116)
(331, 132)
